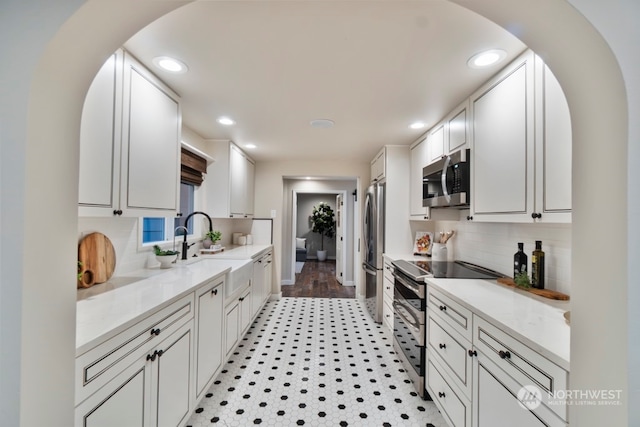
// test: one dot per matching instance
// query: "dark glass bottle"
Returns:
(537, 266)
(519, 261)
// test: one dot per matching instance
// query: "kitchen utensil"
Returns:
(546, 293)
(447, 236)
(98, 258)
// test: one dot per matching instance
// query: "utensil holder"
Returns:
(439, 252)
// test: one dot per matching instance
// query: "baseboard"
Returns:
(275, 297)
(349, 283)
(288, 282)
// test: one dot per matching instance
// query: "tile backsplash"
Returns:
(123, 233)
(492, 245)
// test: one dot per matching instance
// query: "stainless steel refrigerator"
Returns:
(374, 248)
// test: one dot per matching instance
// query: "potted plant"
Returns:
(211, 238)
(323, 222)
(165, 257)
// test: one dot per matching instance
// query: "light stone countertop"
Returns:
(107, 309)
(537, 322)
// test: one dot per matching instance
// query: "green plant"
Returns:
(160, 252)
(323, 222)
(79, 270)
(214, 236)
(522, 280)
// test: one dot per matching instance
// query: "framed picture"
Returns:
(423, 243)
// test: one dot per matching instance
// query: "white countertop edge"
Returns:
(498, 304)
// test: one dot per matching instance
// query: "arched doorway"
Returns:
(50, 74)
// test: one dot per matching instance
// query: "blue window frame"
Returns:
(155, 230)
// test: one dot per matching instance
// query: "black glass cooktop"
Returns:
(419, 269)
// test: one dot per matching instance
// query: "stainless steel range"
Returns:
(410, 309)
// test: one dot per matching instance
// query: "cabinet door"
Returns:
(122, 402)
(502, 163)
(232, 327)
(100, 141)
(496, 406)
(419, 159)
(250, 187)
(209, 335)
(151, 145)
(378, 167)
(245, 311)
(435, 142)
(458, 128)
(268, 271)
(553, 157)
(237, 181)
(257, 286)
(174, 379)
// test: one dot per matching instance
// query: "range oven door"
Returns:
(409, 338)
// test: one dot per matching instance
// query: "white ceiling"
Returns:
(373, 67)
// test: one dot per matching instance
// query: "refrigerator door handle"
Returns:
(368, 269)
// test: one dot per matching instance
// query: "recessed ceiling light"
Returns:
(322, 123)
(486, 58)
(250, 146)
(171, 65)
(417, 125)
(226, 121)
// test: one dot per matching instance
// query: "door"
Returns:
(339, 239)
(174, 379)
(209, 336)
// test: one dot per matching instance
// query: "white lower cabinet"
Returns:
(152, 391)
(476, 371)
(232, 327)
(209, 314)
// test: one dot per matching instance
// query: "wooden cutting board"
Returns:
(546, 293)
(98, 258)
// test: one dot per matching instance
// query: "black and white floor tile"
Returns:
(314, 362)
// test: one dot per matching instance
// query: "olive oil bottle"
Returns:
(537, 266)
(520, 261)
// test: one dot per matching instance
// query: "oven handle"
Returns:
(416, 289)
(415, 325)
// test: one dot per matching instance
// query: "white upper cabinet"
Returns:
(436, 142)
(458, 128)
(231, 188)
(553, 153)
(378, 166)
(130, 143)
(521, 156)
(419, 159)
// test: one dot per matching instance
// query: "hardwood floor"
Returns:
(318, 280)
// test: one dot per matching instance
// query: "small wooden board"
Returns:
(546, 293)
(98, 258)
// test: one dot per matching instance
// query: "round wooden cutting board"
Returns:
(98, 258)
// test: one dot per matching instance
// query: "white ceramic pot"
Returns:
(322, 255)
(439, 252)
(166, 260)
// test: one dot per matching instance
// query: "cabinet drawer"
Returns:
(455, 408)
(451, 350)
(523, 364)
(452, 313)
(387, 290)
(98, 365)
(388, 271)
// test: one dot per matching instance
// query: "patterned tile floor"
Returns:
(314, 362)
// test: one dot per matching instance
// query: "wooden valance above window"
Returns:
(192, 168)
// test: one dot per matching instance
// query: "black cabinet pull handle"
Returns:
(241, 299)
(504, 354)
(536, 215)
(472, 353)
(160, 352)
(214, 291)
(442, 345)
(152, 357)
(440, 394)
(117, 211)
(155, 332)
(179, 214)
(469, 218)
(443, 308)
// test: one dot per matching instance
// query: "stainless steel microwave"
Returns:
(446, 182)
